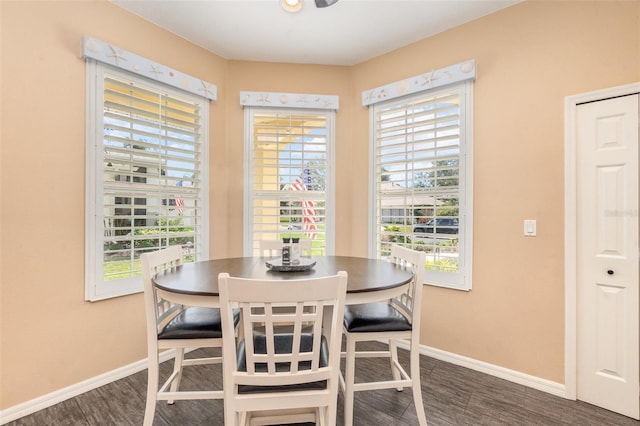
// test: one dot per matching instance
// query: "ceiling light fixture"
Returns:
(292, 6)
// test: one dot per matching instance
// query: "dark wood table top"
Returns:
(364, 275)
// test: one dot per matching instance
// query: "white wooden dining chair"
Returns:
(271, 248)
(284, 365)
(398, 318)
(174, 326)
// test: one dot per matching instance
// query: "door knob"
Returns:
(610, 272)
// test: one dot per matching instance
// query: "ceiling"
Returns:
(346, 33)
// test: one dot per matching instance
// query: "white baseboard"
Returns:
(29, 407)
(544, 385)
(13, 413)
(553, 388)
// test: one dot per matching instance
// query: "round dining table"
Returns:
(369, 280)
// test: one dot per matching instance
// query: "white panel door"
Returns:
(607, 254)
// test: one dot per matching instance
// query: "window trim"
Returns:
(330, 218)
(96, 288)
(431, 277)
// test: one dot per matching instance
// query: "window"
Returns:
(290, 177)
(147, 174)
(422, 180)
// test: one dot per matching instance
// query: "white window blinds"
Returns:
(290, 176)
(420, 177)
(150, 171)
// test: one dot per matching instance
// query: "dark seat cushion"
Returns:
(195, 323)
(283, 343)
(373, 317)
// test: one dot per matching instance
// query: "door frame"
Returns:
(570, 220)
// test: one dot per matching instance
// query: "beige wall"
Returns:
(529, 57)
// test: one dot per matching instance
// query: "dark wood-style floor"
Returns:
(452, 396)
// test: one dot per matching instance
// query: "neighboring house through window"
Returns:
(422, 171)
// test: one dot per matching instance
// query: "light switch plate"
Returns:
(530, 228)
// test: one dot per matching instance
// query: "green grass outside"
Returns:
(121, 269)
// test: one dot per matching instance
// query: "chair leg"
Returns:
(177, 368)
(153, 372)
(330, 412)
(321, 416)
(349, 379)
(393, 359)
(415, 381)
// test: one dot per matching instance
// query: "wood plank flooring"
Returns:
(453, 396)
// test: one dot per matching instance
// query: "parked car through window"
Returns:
(438, 226)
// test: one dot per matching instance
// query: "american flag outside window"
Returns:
(303, 183)
(179, 199)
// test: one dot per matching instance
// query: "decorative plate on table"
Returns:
(277, 265)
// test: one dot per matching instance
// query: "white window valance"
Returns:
(289, 100)
(429, 80)
(112, 55)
